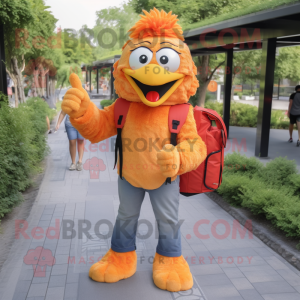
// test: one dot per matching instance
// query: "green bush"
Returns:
(105, 103)
(279, 120)
(22, 146)
(278, 171)
(245, 115)
(247, 93)
(217, 106)
(271, 190)
(240, 164)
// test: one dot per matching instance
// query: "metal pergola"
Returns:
(266, 30)
(101, 64)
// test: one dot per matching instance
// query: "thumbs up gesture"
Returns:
(76, 99)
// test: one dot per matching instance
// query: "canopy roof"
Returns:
(247, 32)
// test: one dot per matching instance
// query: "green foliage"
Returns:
(241, 164)
(244, 7)
(22, 146)
(245, 115)
(189, 11)
(120, 20)
(286, 61)
(272, 191)
(277, 171)
(3, 99)
(217, 106)
(194, 99)
(105, 103)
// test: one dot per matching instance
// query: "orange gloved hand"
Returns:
(76, 99)
(169, 160)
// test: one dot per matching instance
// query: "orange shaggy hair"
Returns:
(156, 23)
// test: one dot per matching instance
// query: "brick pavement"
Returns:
(224, 267)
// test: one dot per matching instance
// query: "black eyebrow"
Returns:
(142, 47)
(142, 42)
(167, 48)
(168, 43)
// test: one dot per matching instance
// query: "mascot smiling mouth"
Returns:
(153, 83)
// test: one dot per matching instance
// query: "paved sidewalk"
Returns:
(224, 265)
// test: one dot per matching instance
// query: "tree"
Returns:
(15, 14)
(286, 61)
(112, 24)
(246, 67)
(27, 38)
(206, 65)
(75, 51)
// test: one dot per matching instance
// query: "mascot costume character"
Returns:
(154, 73)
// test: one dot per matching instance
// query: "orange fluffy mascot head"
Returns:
(156, 66)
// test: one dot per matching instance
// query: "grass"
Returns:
(267, 4)
(111, 54)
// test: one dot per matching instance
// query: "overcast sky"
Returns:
(75, 13)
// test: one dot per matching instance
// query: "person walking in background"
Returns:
(294, 113)
(49, 131)
(73, 136)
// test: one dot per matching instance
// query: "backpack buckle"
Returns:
(175, 124)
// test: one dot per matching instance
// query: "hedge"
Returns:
(22, 147)
(105, 103)
(271, 190)
(245, 115)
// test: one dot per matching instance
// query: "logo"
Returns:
(94, 165)
(39, 258)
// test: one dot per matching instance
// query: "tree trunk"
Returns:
(17, 72)
(202, 93)
(14, 79)
(205, 77)
(16, 93)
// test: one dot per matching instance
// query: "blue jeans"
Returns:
(73, 133)
(165, 204)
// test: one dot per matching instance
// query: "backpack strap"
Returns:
(120, 113)
(177, 116)
(213, 116)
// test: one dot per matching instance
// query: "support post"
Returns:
(227, 88)
(3, 79)
(265, 97)
(97, 78)
(90, 80)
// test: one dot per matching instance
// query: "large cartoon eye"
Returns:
(140, 57)
(168, 59)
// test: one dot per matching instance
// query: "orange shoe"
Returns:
(172, 273)
(114, 266)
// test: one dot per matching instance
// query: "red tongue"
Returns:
(152, 96)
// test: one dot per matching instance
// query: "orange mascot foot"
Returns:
(172, 273)
(114, 266)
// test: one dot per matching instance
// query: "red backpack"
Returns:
(208, 176)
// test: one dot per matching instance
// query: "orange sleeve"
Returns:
(191, 148)
(96, 124)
